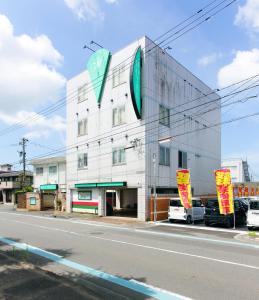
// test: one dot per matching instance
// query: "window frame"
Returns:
(85, 126)
(82, 92)
(84, 167)
(118, 162)
(120, 120)
(183, 162)
(39, 174)
(164, 120)
(52, 173)
(83, 198)
(119, 73)
(166, 161)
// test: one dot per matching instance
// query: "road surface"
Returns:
(194, 264)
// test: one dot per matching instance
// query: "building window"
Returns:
(85, 195)
(52, 170)
(118, 75)
(164, 115)
(82, 161)
(39, 171)
(118, 156)
(82, 93)
(164, 156)
(82, 127)
(118, 115)
(182, 159)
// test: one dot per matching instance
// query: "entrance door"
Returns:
(110, 202)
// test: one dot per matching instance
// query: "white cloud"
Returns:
(37, 125)
(244, 64)
(209, 59)
(28, 76)
(248, 15)
(86, 9)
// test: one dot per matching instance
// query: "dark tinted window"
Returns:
(212, 204)
(254, 205)
(175, 203)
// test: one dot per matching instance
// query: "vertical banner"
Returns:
(184, 187)
(246, 191)
(252, 193)
(240, 191)
(257, 191)
(224, 191)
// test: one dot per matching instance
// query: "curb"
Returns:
(199, 228)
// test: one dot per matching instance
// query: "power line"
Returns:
(46, 112)
(112, 135)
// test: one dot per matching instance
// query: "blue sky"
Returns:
(46, 37)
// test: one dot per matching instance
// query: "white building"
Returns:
(117, 111)
(49, 178)
(238, 168)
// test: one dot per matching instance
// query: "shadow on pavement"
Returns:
(28, 276)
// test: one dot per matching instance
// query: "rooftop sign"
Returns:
(97, 67)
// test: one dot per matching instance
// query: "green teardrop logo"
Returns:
(135, 83)
(97, 67)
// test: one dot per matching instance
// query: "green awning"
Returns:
(101, 184)
(48, 187)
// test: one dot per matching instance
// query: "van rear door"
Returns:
(177, 211)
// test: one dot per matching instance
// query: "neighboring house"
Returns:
(49, 178)
(127, 104)
(10, 182)
(238, 168)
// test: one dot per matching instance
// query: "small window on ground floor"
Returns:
(85, 195)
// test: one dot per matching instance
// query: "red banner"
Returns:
(184, 187)
(224, 191)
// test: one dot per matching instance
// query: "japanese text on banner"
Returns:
(224, 191)
(184, 187)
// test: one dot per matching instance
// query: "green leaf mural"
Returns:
(97, 67)
(135, 83)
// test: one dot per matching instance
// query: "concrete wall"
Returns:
(165, 82)
(59, 178)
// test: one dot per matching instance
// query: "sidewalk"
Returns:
(27, 276)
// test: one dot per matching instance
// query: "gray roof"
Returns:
(48, 160)
(15, 173)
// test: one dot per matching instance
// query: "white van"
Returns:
(253, 214)
(177, 212)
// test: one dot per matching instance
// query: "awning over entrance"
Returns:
(49, 187)
(101, 184)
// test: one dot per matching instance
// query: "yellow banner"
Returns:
(184, 187)
(224, 191)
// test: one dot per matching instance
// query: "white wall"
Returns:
(203, 147)
(164, 83)
(59, 178)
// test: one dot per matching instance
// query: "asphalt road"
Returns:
(199, 265)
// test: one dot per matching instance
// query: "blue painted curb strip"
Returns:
(137, 287)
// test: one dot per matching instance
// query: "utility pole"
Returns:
(154, 188)
(23, 160)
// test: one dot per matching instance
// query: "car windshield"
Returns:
(212, 204)
(175, 203)
(254, 205)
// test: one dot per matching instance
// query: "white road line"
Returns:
(199, 227)
(145, 246)
(151, 232)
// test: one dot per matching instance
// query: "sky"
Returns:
(41, 46)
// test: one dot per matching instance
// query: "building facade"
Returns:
(11, 182)
(133, 119)
(238, 168)
(49, 179)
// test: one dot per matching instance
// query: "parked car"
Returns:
(253, 214)
(177, 212)
(213, 216)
